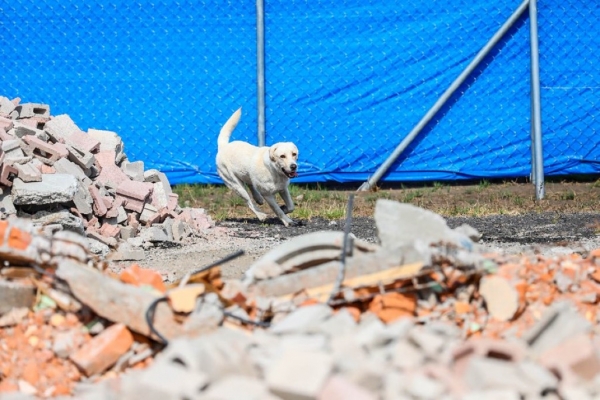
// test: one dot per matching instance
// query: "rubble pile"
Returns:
(65, 179)
(425, 314)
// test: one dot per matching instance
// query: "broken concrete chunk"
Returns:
(401, 223)
(134, 170)
(109, 141)
(62, 218)
(6, 106)
(60, 126)
(155, 176)
(501, 297)
(126, 252)
(53, 188)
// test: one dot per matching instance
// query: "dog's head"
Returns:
(285, 156)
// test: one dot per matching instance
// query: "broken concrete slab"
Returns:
(401, 223)
(53, 188)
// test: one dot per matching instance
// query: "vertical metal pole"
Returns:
(537, 162)
(260, 69)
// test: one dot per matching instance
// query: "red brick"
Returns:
(7, 175)
(136, 190)
(103, 350)
(99, 207)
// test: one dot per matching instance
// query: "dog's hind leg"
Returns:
(257, 196)
(237, 186)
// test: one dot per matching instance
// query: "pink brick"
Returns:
(109, 170)
(136, 190)
(53, 152)
(110, 230)
(172, 203)
(6, 124)
(99, 207)
(7, 174)
(84, 141)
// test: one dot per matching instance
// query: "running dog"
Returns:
(266, 171)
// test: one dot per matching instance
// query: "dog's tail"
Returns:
(228, 128)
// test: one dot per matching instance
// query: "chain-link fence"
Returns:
(346, 80)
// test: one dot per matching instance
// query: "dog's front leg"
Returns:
(270, 199)
(287, 199)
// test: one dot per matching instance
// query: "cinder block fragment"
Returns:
(98, 205)
(28, 172)
(80, 157)
(8, 174)
(20, 130)
(154, 176)
(47, 153)
(28, 110)
(59, 127)
(109, 141)
(83, 141)
(134, 170)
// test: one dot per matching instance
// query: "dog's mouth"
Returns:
(291, 174)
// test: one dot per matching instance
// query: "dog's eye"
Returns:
(294, 154)
(282, 156)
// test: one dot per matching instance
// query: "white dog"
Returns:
(266, 170)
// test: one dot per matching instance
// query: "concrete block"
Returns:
(80, 156)
(28, 172)
(148, 213)
(8, 174)
(16, 295)
(108, 241)
(155, 176)
(59, 127)
(28, 110)
(83, 141)
(303, 320)
(154, 234)
(109, 141)
(83, 200)
(47, 153)
(299, 374)
(134, 170)
(20, 130)
(53, 188)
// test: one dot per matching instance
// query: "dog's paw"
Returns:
(261, 216)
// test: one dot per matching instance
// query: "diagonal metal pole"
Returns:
(260, 69)
(537, 156)
(444, 97)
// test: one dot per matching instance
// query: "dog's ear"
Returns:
(272, 152)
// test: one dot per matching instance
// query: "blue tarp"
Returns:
(345, 80)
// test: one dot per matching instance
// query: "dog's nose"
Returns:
(293, 167)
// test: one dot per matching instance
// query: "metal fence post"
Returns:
(444, 97)
(260, 69)
(537, 159)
